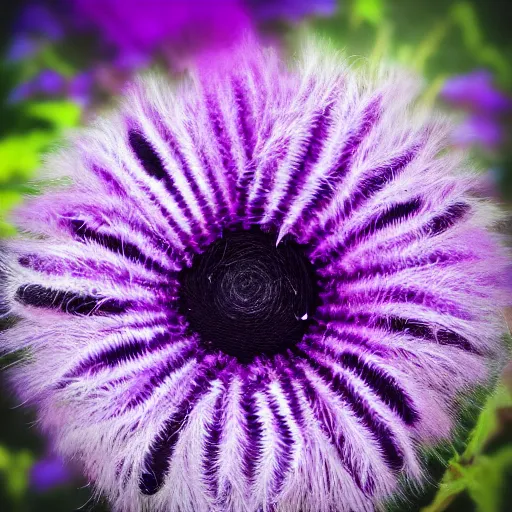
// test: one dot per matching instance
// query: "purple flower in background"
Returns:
(478, 129)
(22, 47)
(291, 9)
(476, 93)
(41, 19)
(130, 34)
(138, 30)
(48, 473)
(36, 25)
(80, 87)
(21, 92)
(47, 82)
(264, 290)
(180, 28)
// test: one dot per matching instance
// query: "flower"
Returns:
(48, 473)
(290, 9)
(130, 34)
(118, 37)
(138, 31)
(478, 129)
(476, 93)
(265, 289)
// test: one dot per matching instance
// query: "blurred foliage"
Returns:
(14, 467)
(27, 131)
(437, 38)
(434, 37)
(479, 474)
(41, 124)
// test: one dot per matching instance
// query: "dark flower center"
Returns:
(246, 297)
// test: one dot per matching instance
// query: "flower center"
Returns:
(246, 297)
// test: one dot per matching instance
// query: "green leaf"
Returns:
(371, 11)
(487, 423)
(451, 486)
(20, 155)
(15, 468)
(480, 475)
(486, 480)
(62, 114)
(8, 200)
(464, 14)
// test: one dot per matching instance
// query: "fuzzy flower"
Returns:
(265, 289)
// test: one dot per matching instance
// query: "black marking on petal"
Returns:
(412, 327)
(328, 187)
(153, 165)
(118, 354)
(376, 180)
(380, 382)
(324, 418)
(337, 332)
(437, 258)
(394, 213)
(73, 303)
(158, 458)
(115, 245)
(290, 394)
(147, 156)
(453, 214)
(285, 445)
(448, 337)
(172, 365)
(173, 144)
(419, 329)
(212, 436)
(391, 452)
(254, 431)
(317, 139)
(397, 295)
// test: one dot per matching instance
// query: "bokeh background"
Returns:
(64, 61)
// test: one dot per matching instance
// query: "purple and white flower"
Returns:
(264, 289)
